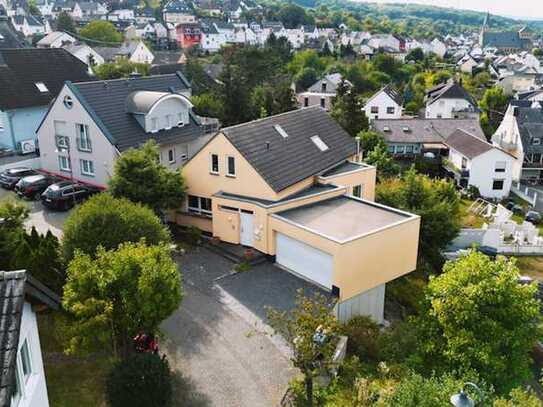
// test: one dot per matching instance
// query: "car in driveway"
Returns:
(10, 177)
(64, 195)
(533, 217)
(32, 187)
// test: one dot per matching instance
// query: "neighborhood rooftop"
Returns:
(467, 145)
(284, 161)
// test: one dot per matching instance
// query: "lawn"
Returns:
(71, 381)
(469, 219)
(531, 266)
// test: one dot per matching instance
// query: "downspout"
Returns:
(11, 129)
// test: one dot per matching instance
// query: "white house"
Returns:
(91, 123)
(438, 47)
(121, 15)
(384, 41)
(475, 162)
(295, 36)
(85, 54)
(322, 92)
(55, 39)
(135, 51)
(22, 383)
(178, 12)
(450, 101)
(30, 25)
(385, 104)
(467, 63)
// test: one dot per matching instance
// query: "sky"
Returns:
(509, 8)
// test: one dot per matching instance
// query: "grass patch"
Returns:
(469, 219)
(71, 380)
(531, 266)
(243, 267)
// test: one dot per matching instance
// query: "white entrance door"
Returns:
(246, 228)
(305, 260)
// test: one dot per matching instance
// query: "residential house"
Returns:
(292, 186)
(188, 34)
(439, 47)
(121, 15)
(178, 12)
(30, 25)
(474, 162)
(295, 37)
(467, 64)
(386, 41)
(450, 101)
(521, 134)
(322, 92)
(91, 9)
(85, 54)
(22, 382)
(407, 138)
(145, 15)
(56, 39)
(385, 104)
(27, 87)
(134, 51)
(211, 39)
(90, 124)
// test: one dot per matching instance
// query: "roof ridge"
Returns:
(102, 81)
(270, 117)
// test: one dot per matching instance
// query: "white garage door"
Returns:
(309, 262)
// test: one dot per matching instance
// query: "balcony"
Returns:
(458, 172)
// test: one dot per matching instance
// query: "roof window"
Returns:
(281, 131)
(41, 87)
(386, 129)
(319, 143)
(406, 129)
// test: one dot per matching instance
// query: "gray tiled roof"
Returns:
(530, 123)
(506, 39)
(106, 103)
(15, 287)
(425, 130)
(449, 90)
(467, 145)
(9, 36)
(295, 158)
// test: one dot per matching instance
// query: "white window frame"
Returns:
(169, 121)
(360, 189)
(42, 87)
(180, 122)
(498, 180)
(84, 163)
(228, 173)
(26, 347)
(500, 166)
(82, 137)
(64, 159)
(171, 159)
(154, 124)
(211, 170)
(319, 143)
(199, 210)
(391, 110)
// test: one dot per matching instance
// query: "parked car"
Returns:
(9, 178)
(32, 186)
(533, 217)
(64, 195)
(513, 207)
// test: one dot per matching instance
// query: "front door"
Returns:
(246, 228)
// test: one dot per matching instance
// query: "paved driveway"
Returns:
(41, 218)
(219, 339)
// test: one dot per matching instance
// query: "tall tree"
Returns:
(347, 110)
(121, 68)
(107, 222)
(101, 32)
(140, 177)
(494, 104)
(477, 317)
(65, 23)
(112, 297)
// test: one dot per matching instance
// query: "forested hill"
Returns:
(413, 19)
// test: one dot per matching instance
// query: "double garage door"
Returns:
(307, 261)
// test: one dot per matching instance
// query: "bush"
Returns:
(141, 380)
(106, 221)
(363, 334)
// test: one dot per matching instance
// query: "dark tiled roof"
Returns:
(295, 158)
(467, 145)
(9, 36)
(530, 123)
(449, 90)
(177, 6)
(21, 69)
(506, 39)
(425, 130)
(106, 103)
(15, 287)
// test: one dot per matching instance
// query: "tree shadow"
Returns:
(185, 393)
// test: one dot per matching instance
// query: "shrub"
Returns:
(107, 221)
(141, 380)
(363, 334)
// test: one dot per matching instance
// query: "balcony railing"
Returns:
(462, 173)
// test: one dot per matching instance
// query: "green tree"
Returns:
(381, 158)
(299, 326)
(233, 87)
(369, 140)
(12, 218)
(347, 110)
(435, 201)
(101, 31)
(140, 177)
(519, 398)
(107, 221)
(65, 23)
(120, 292)
(416, 55)
(207, 105)
(293, 16)
(121, 68)
(306, 77)
(477, 318)
(494, 104)
(141, 380)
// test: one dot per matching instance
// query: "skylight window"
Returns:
(319, 143)
(281, 131)
(386, 129)
(41, 87)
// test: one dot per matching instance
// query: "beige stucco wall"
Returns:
(365, 177)
(376, 259)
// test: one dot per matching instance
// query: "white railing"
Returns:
(524, 192)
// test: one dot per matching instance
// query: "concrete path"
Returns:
(226, 354)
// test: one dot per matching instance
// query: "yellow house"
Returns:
(292, 186)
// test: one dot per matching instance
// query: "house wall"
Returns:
(365, 177)
(382, 101)
(483, 174)
(142, 54)
(103, 152)
(507, 136)
(314, 99)
(21, 124)
(34, 391)
(444, 108)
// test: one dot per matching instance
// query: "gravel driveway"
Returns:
(226, 353)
